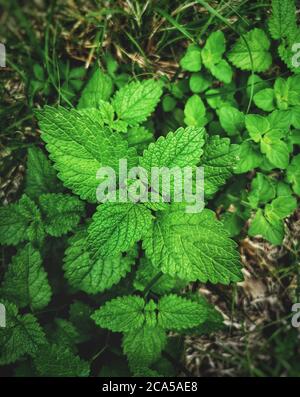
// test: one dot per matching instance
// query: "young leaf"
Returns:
(214, 49)
(136, 101)
(293, 174)
(121, 314)
(277, 151)
(116, 227)
(176, 312)
(40, 176)
(22, 335)
(281, 207)
(249, 158)
(79, 147)
(258, 46)
(99, 88)
(262, 190)
(25, 282)
(257, 126)
(143, 345)
(61, 212)
(92, 275)
(194, 112)
(192, 59)
(265, 99)
(20, 222)
(271, 230)
(192, 247)
(231, 119)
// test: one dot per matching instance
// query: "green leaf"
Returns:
(59, 361)
(21, 335)
(136, 101)
(249, 158)
(231, 119)
(121, 314)
(25, 282)
(214, 49)
(265, 99)
(257, 126)
(222, 71)
(20, 222)
(61, 212)
(259, 46)
(194, 112)
(40, 175)
(283, 20)
(99, 88)
(192, 247)
(199, 83)
(277, 152)
(262, 190)
(293, 174)
(219, 160)
(192, 59)
(116, 227)
(180, 148)
(143, 345)
(271, 230)
(176, 313)
(281, 207)
(92, 275)
(80, 147)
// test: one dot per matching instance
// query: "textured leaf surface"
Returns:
(92, 276)
(99, 88)
(143, 346)
(283, 19)
(259, 46)
(60, 361)
(25, 282)
(116, 227)
(121, 314)
(22, 335)
(135, 102)
(176, 312)
(61, 212)
(193, 247)
(20, 222)
(79, 147)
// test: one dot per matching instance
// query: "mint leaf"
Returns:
(121, 314)
(192, 247)
(98, 88)
(176, 313)
(61, 212)
(259, 46)
(270, 229)
(249, 158)
(25, 282)
(79, 147)
(116, 227)
(281, 207)
(262, 190)
(257, 126)
(194, 112)
(277, 151)
(59, 361)
(22, 335)
(135, 102)
(231, 119)
(20, 222)
(265, 99)
(192, 59)
(283, 20)
(293, 174)
(92, 275)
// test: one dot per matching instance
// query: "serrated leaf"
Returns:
(20, 222)
(219, 160)
(59, 361)
(40, 175)
(249, 158)
(265, 99)
(143, 345)
(80, 147)
(25, 282)
(262, 190)
(176, 312)
(191, 61)
(259, 46)
(61, 212)
(192, 247)
(135, 102)
(92, 275)
(283, 19)
(22, 335)
(116, 227)
(121, 314)
(99, 88)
